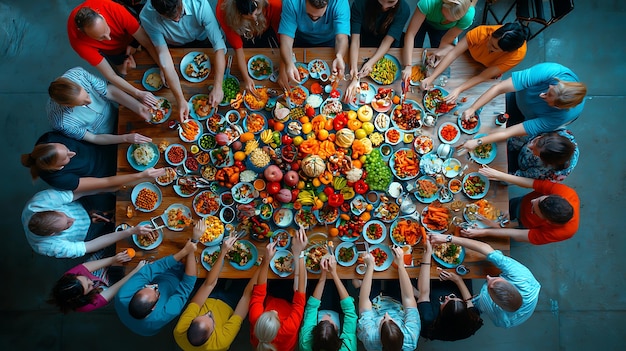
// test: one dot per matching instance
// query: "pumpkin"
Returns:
(344, 138)
(313, 166)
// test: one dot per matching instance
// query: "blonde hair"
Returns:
(457, 8)
(242, 26)
(266, 329)
(569, 94)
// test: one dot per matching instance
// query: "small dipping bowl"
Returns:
(360, 268)
(462, 270)
(227, 199)
(227, 214)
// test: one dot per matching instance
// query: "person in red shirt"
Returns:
(250, 24)
(104, 32)
(275, 321)
(548, 214)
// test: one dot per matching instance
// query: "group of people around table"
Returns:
(78, 160)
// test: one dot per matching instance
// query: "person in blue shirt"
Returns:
(181, 22)
(156, 294)
(509, 299)
(543, 98)
(313, 23)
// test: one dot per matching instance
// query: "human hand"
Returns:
(162, 74)
(368, 259)
(406, 73)
(426, 83)
(145, 230)
(190, 247)
(491, 173)
(199, 229)
(329, 264)
(122, 257)
(270, 250)
(473, 233)
(216, 95)
(467, 114)
(249, 86)
(299, 242)
(136, 138)
(146, 98)
(292, 72)
(367, 68)
(351, 90)
(228, 243)
(435, 239)
(428, 246)
(466, 147)
(183, 112)
(447, 275)
(339, 67)
(145, 113)
(452, 96)
(153, 172)
(398, 255)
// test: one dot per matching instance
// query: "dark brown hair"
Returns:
(68, 294)
(391, 336)
(556, 209)
(42, 158)
(325, 337)
(555, 150)
(64, 91)
(372, 9)
(455, 322)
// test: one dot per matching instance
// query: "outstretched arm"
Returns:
(171, 79)
(107, 71)
(406, 289)
(471, 244)
(423, 282)
(366, 286)
(91, 184)
(505, 86)
(109, 139)
(110, 293)
(501, 135)
(513, 233)
(111, 238)
(332, 268)
(495, 174)
(407, 52)
(445, 63)
(121, 97)
(465, 294)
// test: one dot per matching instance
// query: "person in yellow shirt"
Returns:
(213, 317)
(499, 48)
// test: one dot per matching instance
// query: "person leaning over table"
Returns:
(249, 24)
(374, 23)
(180, 22)
(446, 317)
(57, 225)
(509, 299)
(274, 321)
(81, 107)
(499, 48)
(68, 164)
(540, 99)
(550, 156)
(548, 214)
(103, 32)
(384, 323)
(321, 329)
(443, 20)
(85, 288)
(213, 317)
(156, 294)
(313, 23)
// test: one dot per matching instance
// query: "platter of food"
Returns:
(423, 144)
(206, 203)
(199, 107)
(386, 70)
(484, 154)
(406, 231)
(209, 256)
(473, 212)
(350, 227)
(383, 100)
(146, 197)
(168, 178)
(327, 214)
(243, 255)
(142, 156)
(448, 255)
(382, 257)
(256, 103)
(243, 192)
(303, 70)
(436, 218)
(161, 111)
(282, 239)
(374, 232)
(175, 154)
(313, 258)
(283, 217)
(152, 79)
(388, 210)
(190, 131)
(151, 241)
(405, 164)
(319, 69)
(254, 123)
(407, 116)
(195, 66)
(297, 96)
(471, 126)
(305, 218)
(260, 67)
(177, 217)
(475, 185)
(346, 254)
(282, 263)
(427, 190)
(435, 103)
(449, 133)
(214, 232)
(186, 186)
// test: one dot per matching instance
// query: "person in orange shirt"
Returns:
(499, 48)
(548, 214)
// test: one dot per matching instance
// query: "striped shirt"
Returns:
(68, 243)
(99, 117)
(518, 275)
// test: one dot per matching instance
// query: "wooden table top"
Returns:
(461, 70)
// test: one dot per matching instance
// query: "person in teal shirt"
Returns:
(320, 328)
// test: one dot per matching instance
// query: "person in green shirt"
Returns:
(320, 329)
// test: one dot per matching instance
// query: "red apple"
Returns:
(274, 188)
(291, 178)
(273, 174)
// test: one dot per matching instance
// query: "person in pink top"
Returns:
(80, 290)
(249, 24)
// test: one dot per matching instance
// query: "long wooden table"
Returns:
(461, 70)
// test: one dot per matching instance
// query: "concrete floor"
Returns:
(581, 307)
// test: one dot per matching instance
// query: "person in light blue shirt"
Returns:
(57, 225)
(156, 294)
(543, 98)
(509, 299)
(81, 106)
(385, 323)
(177, 23)
(313, 23)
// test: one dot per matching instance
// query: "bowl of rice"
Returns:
(142, 156)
